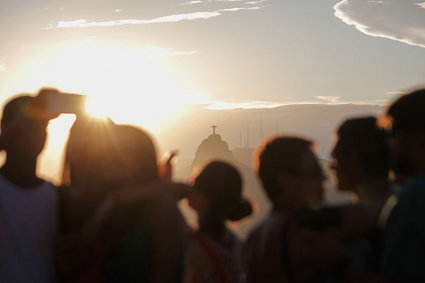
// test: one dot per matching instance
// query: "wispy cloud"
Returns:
(220, 105)
(400, 20)
(422, 5)
(82, 23)
(256, 2)
(225, 0)
(191, 2)
(328, 100)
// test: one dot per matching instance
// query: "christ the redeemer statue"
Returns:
(214, 127)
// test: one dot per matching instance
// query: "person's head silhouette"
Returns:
(291, 173)
(23, 136)
(23, 128)
(360, 155)
(217, 194)
(407, 118)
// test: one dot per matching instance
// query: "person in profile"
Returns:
(361, 165)
(404, 251)
(123, 231)
(214, 252)
(28, 204)
(279, 249)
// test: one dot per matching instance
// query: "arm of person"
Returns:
(315, 253)
(167, 230)
(348, 222)
(151, 191)
(360, 219)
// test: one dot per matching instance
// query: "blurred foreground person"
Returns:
(361, 165)
(279, 249)
(118, 230)
(28, 204)
(214, 254)
(404, 253)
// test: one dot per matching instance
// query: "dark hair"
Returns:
(18, 106)
(407, 112)
(101, 150)
(281, 154)
(137, 153)
(363, 137)
(89, 151)
(23, 106)
(221, 183)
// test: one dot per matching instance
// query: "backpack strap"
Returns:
(213, 256)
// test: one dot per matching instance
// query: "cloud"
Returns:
(327, 100)
(226, 1)
(330, 99)
(400, 20)
(191, 2)
(253, 2)
(82, 23)
(256, 2)
(336, 100)
(227, 104)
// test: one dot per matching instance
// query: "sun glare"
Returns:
(130, 84)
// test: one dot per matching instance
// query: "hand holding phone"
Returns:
(56, 102)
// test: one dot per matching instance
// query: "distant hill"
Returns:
(245, 128)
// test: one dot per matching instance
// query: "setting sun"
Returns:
(130, 84)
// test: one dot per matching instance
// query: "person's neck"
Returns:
(20, 173)
(373, 189)
(214, 228)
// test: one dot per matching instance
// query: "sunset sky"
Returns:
(156, 57)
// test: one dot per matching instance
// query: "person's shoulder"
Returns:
(271, 225)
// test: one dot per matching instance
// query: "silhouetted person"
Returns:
(361, 159)
(404, 253)
(361, 164)
(279, 250)
(214, 254)
(123, 230)
(28, 204)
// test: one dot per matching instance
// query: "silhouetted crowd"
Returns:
(116, 215)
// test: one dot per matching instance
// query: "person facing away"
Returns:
(124, 241)
(214, 252)
(404, 251)
(28, 204)
(280, 250)
(361, 165)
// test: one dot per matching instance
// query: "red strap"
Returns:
(213, 256)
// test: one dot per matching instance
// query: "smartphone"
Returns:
(57, 102)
